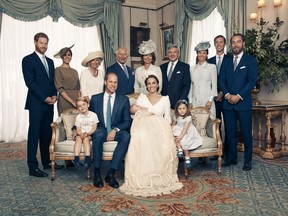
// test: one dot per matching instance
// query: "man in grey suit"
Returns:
(176, 77)
(38, 72)
(112, 110)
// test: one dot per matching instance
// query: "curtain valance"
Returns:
(84, 13)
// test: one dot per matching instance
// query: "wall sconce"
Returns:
(261, 3)
(253, 16)
(277, 3)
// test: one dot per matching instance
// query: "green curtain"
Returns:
(80, 13)
(232, 12)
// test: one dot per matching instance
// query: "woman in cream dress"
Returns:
(148, 58)
(204, 80)
(151, 162)
(66, 81)
(92, 78)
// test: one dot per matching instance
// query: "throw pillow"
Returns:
(69, 121)
(199, 120)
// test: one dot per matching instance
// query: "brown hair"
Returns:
(153, 58)
(180, 102)
(40, 34)
(152, 76)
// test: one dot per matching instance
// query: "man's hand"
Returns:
(219, 97)
(50, 100)
(111, 135)
(233, 99)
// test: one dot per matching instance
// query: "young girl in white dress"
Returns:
(186, 135)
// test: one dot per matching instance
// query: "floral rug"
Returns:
(261, 191)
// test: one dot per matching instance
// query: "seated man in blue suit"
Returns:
(176, 77)
(125, 74)
(237, 78)
(112, 110)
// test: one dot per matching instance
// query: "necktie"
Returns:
(126, 71)
(170, 71)
(108, 114)
(44, 61)
(219, 64)
(235, 62)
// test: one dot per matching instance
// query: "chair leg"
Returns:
(52, 170)
(219, 164)
(88, 174)
(185, 170)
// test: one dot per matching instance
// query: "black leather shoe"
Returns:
(110, 179)
(57, 166)
(86, 167)
(247, 166)
(38, 173)
(97, 182)
(226, 164)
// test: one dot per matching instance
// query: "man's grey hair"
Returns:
(174, 46)
(121, 47)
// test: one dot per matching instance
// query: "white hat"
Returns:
(147, 47)
(91, 56)
(204, 45)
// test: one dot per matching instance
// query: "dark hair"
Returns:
(68, 50)
(237, 34)
(180, 102)
(152, 76)
(40, 34)
(153, 58)
(220, 36)
(197, 60)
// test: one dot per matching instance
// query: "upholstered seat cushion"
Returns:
(209, 145)
(66, 146)
(108, 148)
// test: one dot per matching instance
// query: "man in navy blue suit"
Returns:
(218, 59)
(176, 77)
(125, 74)
(113, 125)
(38, 72)
(238, 76)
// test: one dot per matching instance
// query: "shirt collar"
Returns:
(39, 54)
(83, 115)
(106, 95)
(174, 63)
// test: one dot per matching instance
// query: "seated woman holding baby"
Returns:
(151, 161)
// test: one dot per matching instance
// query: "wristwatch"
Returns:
(116, 129)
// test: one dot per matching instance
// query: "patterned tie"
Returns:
(108, 114)
(44, 61)
(126, 71)
(170, 71)
(219, 64)
(235, 62)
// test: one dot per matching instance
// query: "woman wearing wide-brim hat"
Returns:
(147, 51)
(92, 78)
(66, 81)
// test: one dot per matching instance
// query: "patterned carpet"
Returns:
(262, 191)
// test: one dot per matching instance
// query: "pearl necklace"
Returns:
(95, 74)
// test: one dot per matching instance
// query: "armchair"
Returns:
(62, 144)
(208, 127)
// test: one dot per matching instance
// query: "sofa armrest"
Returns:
(58, 133)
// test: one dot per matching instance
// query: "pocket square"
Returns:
(178, 72)
(242, 67)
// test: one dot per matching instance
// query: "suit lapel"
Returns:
(101, 109)
(40, 63)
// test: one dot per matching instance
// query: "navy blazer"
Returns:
(125, 85)
(179, 86)
(213, 61)
(120, 114)
(40, 86)
(241, 81)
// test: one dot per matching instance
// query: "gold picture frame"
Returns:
(167, 39)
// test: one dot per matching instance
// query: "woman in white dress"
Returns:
(148, 58)
(151, 162)
(204, 80)
(92, 78)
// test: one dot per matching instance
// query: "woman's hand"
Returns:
(208, 104)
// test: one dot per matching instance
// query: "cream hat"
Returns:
(204, 45)
(91, 56)
(147, 47)
(62, 51)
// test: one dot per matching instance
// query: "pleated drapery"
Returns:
(232, 12)
(80, 13)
